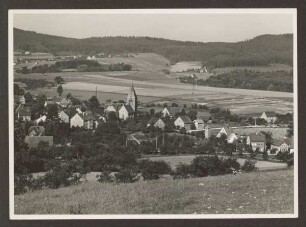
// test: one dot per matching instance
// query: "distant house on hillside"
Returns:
(156, 122)
(257, 140)
(126, 111)
(270, 117)
(199, 124)
(183, 122)
(61, 101)
(34, 141)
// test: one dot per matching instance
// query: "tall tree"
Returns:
(59, 80)
(93, 102)
(60, 90)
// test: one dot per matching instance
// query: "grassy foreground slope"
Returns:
(252, 193)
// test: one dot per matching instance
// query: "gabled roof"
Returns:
(186, 119)
(39, 130)
(174, 110)
(278, 142)
(153, 120)
(199, 121)
(204, 115)
(257, 137)
(128, 108)
(87, 117)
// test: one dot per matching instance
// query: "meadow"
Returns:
(185, 65)
(247, 193)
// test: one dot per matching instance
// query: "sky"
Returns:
(199, 27)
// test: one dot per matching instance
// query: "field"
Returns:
(249, 193)
(153, 85)
(270, 68)
(185, 65)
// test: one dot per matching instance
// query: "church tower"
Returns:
(132, 98)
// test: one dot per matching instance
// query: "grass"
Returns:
(249, 193)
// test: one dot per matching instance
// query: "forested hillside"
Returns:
(262, 50)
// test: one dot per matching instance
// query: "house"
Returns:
(34, 141)
(156, 122)
(24, 114)
(183, 122)
(64, 116)
(85, 120)
(110, 109)
(41, 119)
(126, 111)
(199, 124)
(270, 117)
(19, 99)
(62, 101)
(257, 140)
(205, 116)
(232, 137)
(171, 111)
(49, 103)
(280, 145)
(36, 131)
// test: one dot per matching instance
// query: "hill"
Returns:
(249, 193)
(262, 50)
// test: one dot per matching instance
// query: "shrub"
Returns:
(265, 155)
(153, 169)
(105, 177)
(231, 163)
(182, 171)
(21, 183)
(126, 176)
(249, 165)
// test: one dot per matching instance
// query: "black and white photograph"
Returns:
(153, 113)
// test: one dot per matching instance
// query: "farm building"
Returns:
(257, 140)
(199, 124)
(183, 122)
(110, 108)
(156, 122)
(49, 103)
(171, 111)
(280, 145)
(24, 114)
(19, 99)
(64, 116)
(270, 117)
(205, 116)
(277, 132)
(61, 101)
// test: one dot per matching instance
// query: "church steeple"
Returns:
(132, 98)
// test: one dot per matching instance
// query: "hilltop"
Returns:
(260, 51)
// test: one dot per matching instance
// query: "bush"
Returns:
(182, 171)
(249, 165)
(153, 169)
(126, 176)
(105, 177)
(21, 183)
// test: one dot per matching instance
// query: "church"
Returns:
(129, 109)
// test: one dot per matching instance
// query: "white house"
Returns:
(232, 137)
(63, 116)
(199, 124)
(82, 120)
(110, 108)
(270, 117)
(156, 122)
(126, 111)
(257, 140)
(183, 122)
(280, 145)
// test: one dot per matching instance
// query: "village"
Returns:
(268, 134)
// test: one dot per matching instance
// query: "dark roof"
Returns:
(39, 130)
(24, 112)
(129, 108)
(257, 137)
(186, 119)
(153, 120)
(174, 110)
(277, 142)
(33, 141)
(87, 117)
(270, 114)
